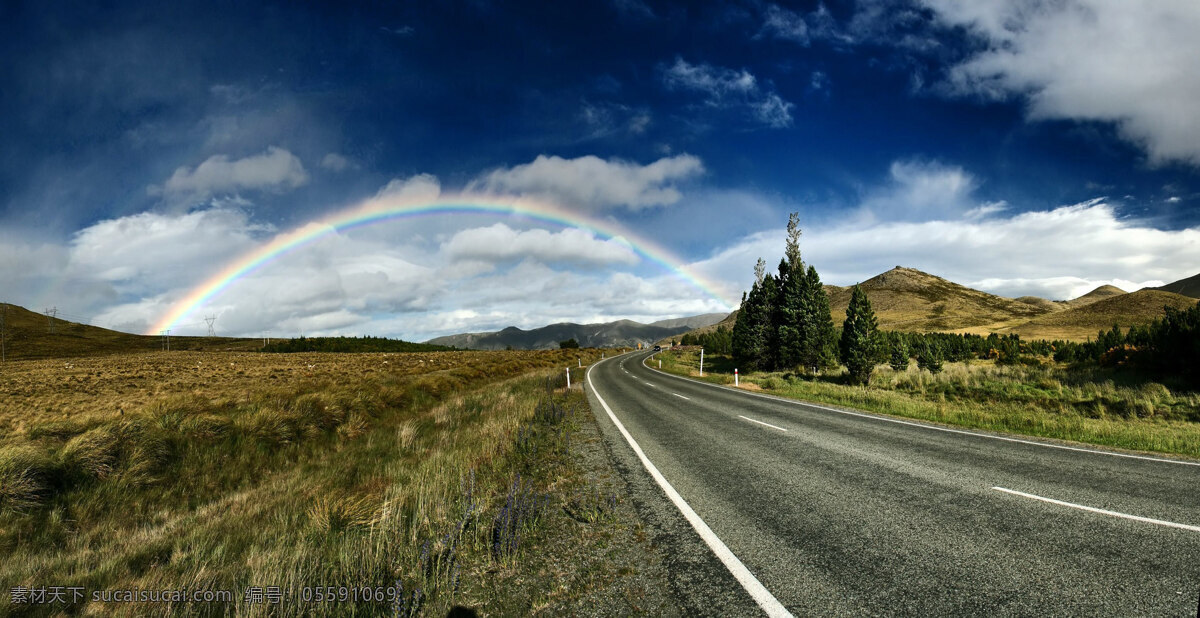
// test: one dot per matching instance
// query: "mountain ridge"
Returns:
(618, 333)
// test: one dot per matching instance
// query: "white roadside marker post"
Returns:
(580, 360)
(735, 377)
(660, 363)
(568, 378)
(702, 362)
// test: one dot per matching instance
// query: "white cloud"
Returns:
(592, 183)
(784, 24)
(730, 89)
(498, 243)
(418, 187)
(1058, 253)
(274, 170)
(607, 119)
(154, 251)
(1131, 63)
(335, 162)
(922, 190)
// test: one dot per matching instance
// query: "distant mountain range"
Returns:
(607, 334)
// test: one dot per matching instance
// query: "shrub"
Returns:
(25, 478)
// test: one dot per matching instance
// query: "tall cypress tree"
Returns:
(857, 345)
(790, 320)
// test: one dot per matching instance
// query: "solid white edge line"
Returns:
(762, 423)
(758, 592)
(681, 396)
(1081, 507)
(922, 425)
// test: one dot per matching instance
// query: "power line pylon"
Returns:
(50, 313)
(210, 319)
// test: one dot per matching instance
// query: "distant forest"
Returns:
(352, 344)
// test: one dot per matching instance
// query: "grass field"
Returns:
(429, 480)
(1047, 401)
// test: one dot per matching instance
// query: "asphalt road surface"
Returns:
(842, 513)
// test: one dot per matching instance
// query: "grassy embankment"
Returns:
(450, 478)
(1048, 401)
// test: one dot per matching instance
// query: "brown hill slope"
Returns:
(1100, 293)
(910, 300)
(726, 323)
(1188, 287)
(1085, 321)
(34, 335)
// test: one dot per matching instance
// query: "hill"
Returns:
(1086, 320)
(726, 322)
(911, 300)
(696, 321)
(602, 335)
(906, 299)
(34, 335)
(1189, 287)
(1100, 293)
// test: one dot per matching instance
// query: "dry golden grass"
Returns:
(1083, 321)
(98, 388)
(236, 469)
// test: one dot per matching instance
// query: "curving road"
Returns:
(837, 512)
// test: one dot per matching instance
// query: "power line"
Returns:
(50, 313)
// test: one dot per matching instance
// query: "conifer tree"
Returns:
(790, 319)
(930, 357)
(899, 357)
(818, 344)
(749, 337)
(857, 345)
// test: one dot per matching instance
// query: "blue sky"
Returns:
(1024, 148)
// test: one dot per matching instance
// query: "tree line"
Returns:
(351, 344)
(1168, 346)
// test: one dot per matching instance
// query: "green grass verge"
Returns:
(1049, 402)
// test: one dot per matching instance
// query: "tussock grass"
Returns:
(436, 483)
(1046, 400)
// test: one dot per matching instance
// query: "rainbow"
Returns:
(386, 208)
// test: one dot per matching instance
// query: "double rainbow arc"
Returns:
(390, 208)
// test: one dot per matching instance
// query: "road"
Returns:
(838, 513)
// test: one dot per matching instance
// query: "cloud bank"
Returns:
(1130, 63)
(274, 170)
(591, 183)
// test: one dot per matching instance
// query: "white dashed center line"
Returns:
(1092, 509)
(681, 396)
(762, 423)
